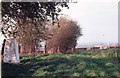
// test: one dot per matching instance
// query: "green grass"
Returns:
(85, 63)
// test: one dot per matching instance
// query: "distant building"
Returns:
(98, 46)
(113, 46)
(102, 46)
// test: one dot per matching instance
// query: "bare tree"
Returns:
(64, 37)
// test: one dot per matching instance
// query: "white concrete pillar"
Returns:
(11, 53)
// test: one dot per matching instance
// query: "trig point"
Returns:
(11, 53)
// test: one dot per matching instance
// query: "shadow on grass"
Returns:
(77, 66)
(57, 65)
(16, 70)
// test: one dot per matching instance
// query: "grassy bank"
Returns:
(87, 63)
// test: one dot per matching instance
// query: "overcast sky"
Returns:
(98, 20)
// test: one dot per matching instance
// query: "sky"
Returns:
(97, 18)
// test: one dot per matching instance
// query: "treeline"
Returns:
(29, 22)
(58, 39)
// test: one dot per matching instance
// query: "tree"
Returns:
(35, 11)
(28, 34)
(64, 37)
(26, 21)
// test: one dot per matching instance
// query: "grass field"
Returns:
(85, 63)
